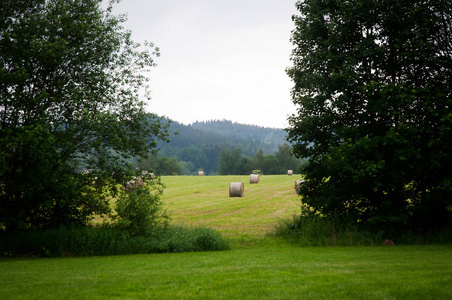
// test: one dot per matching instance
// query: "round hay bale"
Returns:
(289, 172)
(297, 185)
(201, 173)
(254, 178)
(236, 189)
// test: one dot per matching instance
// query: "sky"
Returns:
(219, 59)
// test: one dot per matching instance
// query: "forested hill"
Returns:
(249, 138)
(248, 132)
(198, 146)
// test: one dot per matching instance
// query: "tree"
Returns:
(195, 155)
(168, 166)
(70, 88)
(160, 165)
(271, 165)
(231, 162)
(139, 209)
(372, 81)
(286, 159)
(256, 162)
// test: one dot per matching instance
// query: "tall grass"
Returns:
(98, 241)
(313, 230)
(316, 231)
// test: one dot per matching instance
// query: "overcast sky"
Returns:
(220, 59)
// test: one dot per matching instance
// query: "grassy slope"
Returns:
(204, 200)
(266, 268)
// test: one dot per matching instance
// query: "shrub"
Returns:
(316, 230)
(186, 239)
(138, 206)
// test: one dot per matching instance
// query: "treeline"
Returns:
(230, 162)
(221, 147)
(235, 163)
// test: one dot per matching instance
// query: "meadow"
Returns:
(258, 266)
(205, 201)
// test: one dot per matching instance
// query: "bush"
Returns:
(138, 206)
(315, 230)
(185, 239)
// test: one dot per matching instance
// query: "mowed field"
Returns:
(257, 267)
(205, 201)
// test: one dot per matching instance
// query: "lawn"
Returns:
(258, 267)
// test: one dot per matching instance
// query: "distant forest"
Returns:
(221, 147)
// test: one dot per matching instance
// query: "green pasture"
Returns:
(258, 267)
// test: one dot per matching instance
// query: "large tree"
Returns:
(373, 86)
(72, 86)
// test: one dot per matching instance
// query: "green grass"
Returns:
(273, 272)
(259, 267)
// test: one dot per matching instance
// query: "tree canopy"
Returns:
(72, 85)
(373, 86)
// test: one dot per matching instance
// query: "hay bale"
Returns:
(201, 173)
(236, 189)
(289, 172)
(297, 185)
(254, 178)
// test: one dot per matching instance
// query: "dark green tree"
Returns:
(70, 85)
(256, 162)
(159, 165)
(195, 155)
(373, 85)
(231, 162)
(272, 165)
(287, 161)
(168, 166)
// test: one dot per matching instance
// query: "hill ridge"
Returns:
(201, 142)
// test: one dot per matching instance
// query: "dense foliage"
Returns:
(161, 165)
(70, 82)
(138, 207)
(373, 83)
